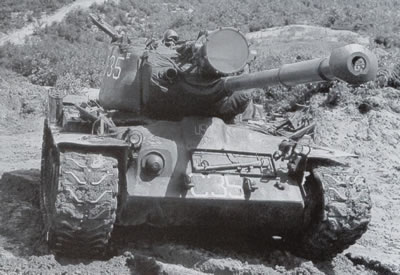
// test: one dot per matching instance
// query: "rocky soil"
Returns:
(370, 131)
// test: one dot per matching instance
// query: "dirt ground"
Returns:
(372, 135)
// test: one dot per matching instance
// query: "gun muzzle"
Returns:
(353, 64)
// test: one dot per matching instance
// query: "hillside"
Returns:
(16, 14)
(69, 55)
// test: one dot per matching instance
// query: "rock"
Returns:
(293, 33)
(4, 254)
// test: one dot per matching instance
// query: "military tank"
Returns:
(154, 147)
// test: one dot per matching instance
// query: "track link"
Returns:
(79, 212)
(341, 206)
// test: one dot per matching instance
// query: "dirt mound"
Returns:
(372, 134)
(20, 215)
(301, 33)
(20, 102)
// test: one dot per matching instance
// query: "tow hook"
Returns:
(248, 187)
(280, 185)
(187, 182)
(295, 153)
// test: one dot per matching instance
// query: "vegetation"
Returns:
(63, 53)
(14, 14)
(152, 17)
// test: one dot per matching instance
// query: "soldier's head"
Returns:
(120, 30)
(170, 37)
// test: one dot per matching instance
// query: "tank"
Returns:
(154, 148)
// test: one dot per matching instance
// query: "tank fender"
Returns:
(83, 139)
(328, 153)
(291, 150)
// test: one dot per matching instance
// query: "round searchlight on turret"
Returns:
(226, 50)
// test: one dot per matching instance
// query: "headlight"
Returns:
(153, 164)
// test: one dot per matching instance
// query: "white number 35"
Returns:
(113, 67)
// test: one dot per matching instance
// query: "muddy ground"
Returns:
(372, 134)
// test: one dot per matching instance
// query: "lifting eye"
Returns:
(136, 139)
(153, 164)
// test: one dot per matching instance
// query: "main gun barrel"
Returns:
(353, 64)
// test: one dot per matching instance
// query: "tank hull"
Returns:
(273, 218)
(197, 172)
(101, 169)
(276, 203)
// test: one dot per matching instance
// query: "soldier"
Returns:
(170, 38)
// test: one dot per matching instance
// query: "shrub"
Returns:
(43, 61)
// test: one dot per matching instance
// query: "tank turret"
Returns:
(197, 77)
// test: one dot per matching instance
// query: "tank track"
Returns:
(78, 213)
(339, 208)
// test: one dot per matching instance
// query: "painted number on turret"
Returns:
(114, 66)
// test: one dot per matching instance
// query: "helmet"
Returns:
(170, 35)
